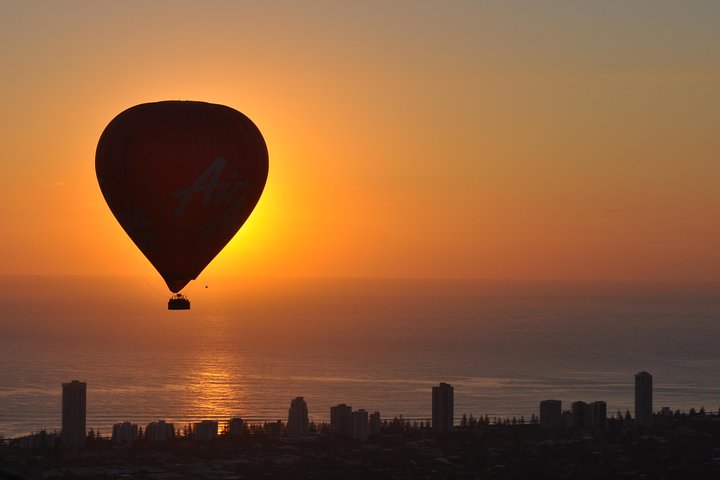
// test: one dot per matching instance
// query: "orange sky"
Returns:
(406, 139)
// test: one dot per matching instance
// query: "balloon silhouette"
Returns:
(181, 178)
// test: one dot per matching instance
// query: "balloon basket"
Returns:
(179, 302)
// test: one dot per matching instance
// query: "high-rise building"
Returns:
(341, 420)
(375, 423)
(643, 400)
(599, 415)
(74, 401)
(443, 407)
(360, 425)
(581, 414)
(551, 414)
(124, 433)
(298, 423)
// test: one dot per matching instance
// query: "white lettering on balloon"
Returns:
(212, 189)
(137, 224)
(227, 219)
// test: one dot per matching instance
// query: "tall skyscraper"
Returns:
(375, 423)
(73, 414)
(643, 400)
(599, 415)
(341, 420)
(443, 407)
(580, 413)
(360, 425)
(551, 414)
(298, 423)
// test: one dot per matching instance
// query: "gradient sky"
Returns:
(505, 139)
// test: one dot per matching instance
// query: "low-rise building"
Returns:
(206, 431)
(124, 433)
(160, 431)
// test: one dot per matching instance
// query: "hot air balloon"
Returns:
(181, 178)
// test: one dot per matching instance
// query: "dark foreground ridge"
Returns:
(679, 447)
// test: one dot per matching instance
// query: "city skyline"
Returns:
(575, 453)
(356, 424)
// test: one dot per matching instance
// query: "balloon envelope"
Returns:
(181, 178)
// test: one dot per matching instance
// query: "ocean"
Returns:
(248, 347)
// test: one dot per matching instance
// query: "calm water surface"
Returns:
(246, 349)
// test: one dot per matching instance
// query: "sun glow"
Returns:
(417, 151)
